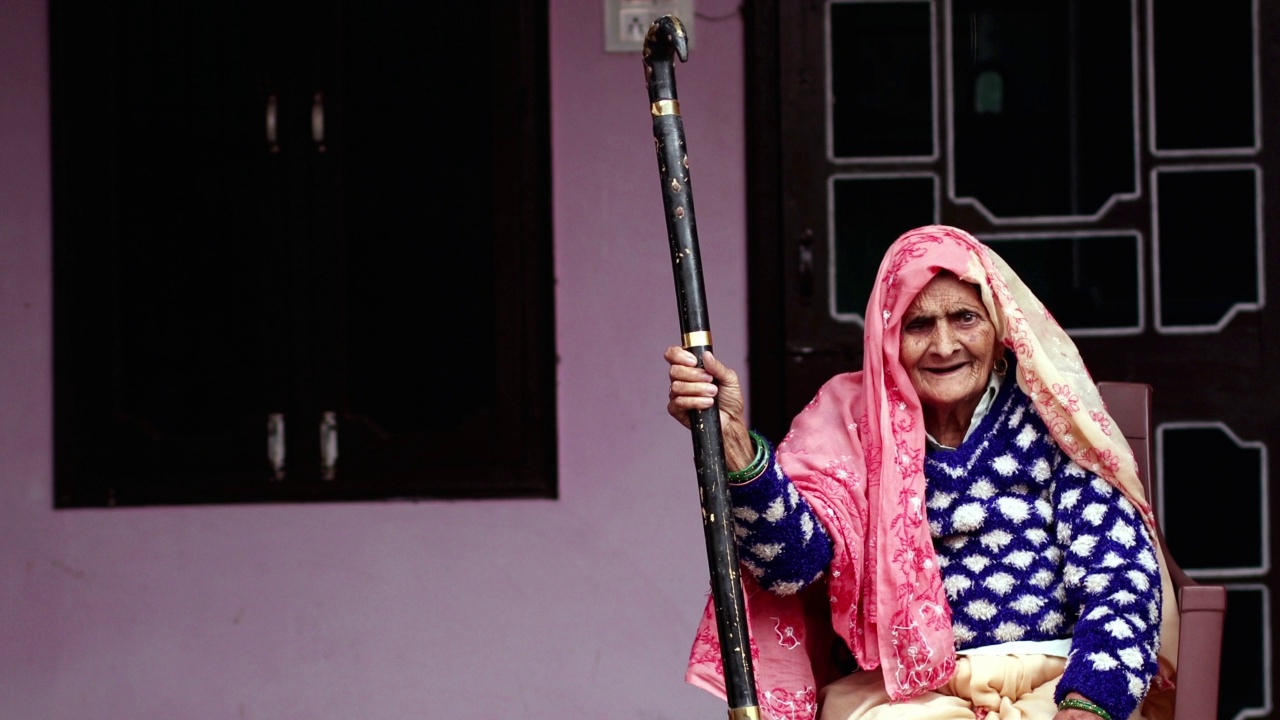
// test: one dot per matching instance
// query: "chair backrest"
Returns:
(1201, 608)
(1130, 406)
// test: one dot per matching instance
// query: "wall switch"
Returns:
(626, 22)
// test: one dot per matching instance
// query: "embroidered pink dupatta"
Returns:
(856, 453)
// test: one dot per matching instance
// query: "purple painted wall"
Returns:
(583, 607)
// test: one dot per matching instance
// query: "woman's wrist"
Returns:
(751, 470)
(1080, 703)
(739, 447)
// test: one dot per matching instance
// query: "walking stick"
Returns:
(666, 38)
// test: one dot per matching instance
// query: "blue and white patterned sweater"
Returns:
(1031, 546)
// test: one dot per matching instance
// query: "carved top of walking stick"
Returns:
(666, 38)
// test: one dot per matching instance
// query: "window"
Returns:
(301, 253)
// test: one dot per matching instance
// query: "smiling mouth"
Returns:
(946, 370)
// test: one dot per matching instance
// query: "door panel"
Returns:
(176, 282)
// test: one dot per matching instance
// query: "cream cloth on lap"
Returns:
(985, 687)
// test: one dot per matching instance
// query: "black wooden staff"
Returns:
(665, 39)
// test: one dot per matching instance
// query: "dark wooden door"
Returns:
(441, 349)
(1116, 154)
(179, 270)
(302, 252)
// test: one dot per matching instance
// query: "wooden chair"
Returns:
(1201, 608)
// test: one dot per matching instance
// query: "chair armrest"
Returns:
(1202, 609)
(1203, 598)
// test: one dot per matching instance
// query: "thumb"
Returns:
(718, 370)
(712, 365)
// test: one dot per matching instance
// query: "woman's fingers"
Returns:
(684, 366)
(680, 373)
(686, 396)
(678, 407)
(691, 387)
(697, 388)
(676, 355)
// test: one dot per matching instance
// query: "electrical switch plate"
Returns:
(626, 22)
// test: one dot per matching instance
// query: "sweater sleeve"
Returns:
(779, 540)
(1111, 575)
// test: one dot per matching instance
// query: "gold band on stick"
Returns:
(745, 713)
(698, 338)
(664, 107)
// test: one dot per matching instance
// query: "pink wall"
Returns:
(583, 607)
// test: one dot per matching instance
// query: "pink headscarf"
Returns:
(856, 453)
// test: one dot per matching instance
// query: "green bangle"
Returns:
(1078, 704)
(757, 464)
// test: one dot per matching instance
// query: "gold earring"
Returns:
(1000, 366)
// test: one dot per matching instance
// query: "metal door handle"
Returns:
(329, 445)
(805, 285)
(317, 120)
(273, 131)
(275, 444)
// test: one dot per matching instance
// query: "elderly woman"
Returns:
(957, 515)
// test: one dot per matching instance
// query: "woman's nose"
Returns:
(945, 341)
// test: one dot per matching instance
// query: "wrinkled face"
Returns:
(948, 345)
